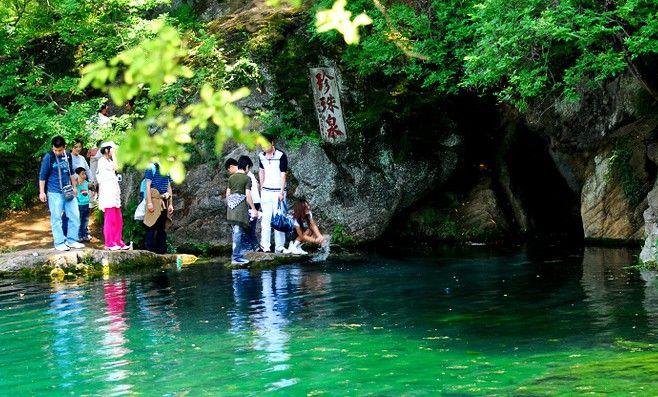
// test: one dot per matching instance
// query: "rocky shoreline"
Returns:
(50, 264)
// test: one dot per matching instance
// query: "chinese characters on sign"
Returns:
(327, 104)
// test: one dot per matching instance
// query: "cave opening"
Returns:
(551, 207)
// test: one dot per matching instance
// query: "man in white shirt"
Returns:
(273, 166)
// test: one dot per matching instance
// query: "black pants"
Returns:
(156, 236)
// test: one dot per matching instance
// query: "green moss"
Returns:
(139, 264)
(439, 224)
(649, 265)
(622, 171)
(340, 238)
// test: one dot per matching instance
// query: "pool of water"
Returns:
(463, 323)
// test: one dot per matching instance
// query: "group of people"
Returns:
(67, 182)
(249, 200)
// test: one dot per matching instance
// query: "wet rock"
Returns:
(482, 214)
(649, 254)
(605, 210)
(87, 262)
(364, 197)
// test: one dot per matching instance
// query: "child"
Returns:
(238, 199)
(83, 203)
(252, 242)
(306, 229)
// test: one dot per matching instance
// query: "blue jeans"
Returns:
(57, 204)
(252, 241)
(84, 221)
(238, 242)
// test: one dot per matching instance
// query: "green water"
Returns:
(469, 323)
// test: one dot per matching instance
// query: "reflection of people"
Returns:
(68, 313)
(160, 207)
(114, 339)
(55, 173)
(238, 214)
(306, 229)
(109, 197)
(273, 165)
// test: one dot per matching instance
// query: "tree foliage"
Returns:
(519, 50)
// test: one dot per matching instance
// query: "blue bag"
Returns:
(281, 221)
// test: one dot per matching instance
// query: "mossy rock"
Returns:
(89, 263)
(266, 260)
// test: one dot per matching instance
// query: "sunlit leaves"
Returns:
(161, 135)
(142, 145)
(150, 65)
(339, 18)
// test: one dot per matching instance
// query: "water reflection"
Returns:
(262, 302)
(156, 305)
(114, 340)
(650, 302)
(605, 280)
(68, 315)
(265, 303)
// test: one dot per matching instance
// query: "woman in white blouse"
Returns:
(109, 197)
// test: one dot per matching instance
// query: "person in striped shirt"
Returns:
(157, 184)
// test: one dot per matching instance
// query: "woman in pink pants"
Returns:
(109, 197)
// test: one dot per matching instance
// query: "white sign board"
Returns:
(327, 105)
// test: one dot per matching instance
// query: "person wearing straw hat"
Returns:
(109, 197)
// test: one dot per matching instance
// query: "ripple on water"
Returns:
(381, 327)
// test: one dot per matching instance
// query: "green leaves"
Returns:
(340, 19)
(150, 65)
(161, 135)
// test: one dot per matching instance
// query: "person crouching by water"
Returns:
(240, 208)
(109, 197)
(306, 230)
(159, 209)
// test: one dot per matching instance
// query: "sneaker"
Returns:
(290, 249)
(296, 248)
(113, 248)
(242, 261)
(75, 245)
(300, 251)
(280, 250)
(127, 247)
(62, 247)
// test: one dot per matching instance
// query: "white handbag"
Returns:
(140, 211)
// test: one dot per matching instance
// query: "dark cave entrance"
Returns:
(551, 207)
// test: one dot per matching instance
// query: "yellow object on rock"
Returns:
(57, 274)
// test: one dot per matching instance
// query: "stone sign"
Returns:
(327, 104)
